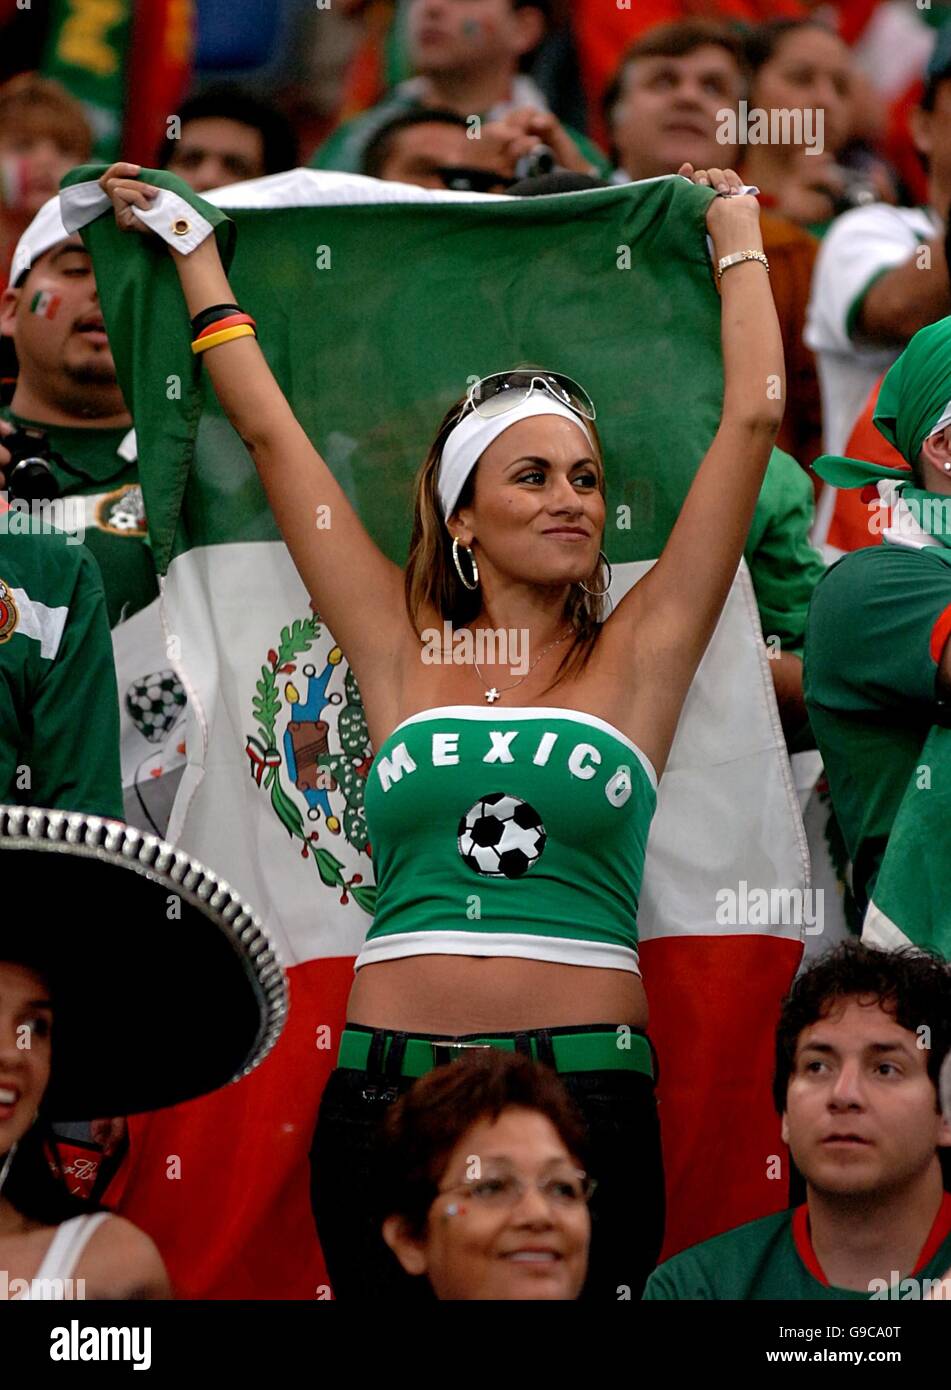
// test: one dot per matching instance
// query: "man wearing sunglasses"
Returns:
(437, 149)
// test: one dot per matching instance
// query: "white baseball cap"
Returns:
(44, 232)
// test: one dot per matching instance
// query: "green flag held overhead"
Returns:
(375, 359)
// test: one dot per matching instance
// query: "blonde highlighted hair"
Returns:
(431, 579)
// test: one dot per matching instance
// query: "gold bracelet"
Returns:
(737, 257)
(210, 340)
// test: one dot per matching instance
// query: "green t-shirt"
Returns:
(773, 1259)
(869, 680)
(114, 521)
(59, 708)
(784, 567)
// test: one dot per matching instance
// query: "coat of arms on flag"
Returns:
(315, 769)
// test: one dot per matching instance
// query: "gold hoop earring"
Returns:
(600, 593)
(472, 560)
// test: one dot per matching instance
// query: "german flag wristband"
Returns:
(224, 335)
(208, 316)
(231, 321)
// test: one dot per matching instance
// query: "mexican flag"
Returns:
(376, 305)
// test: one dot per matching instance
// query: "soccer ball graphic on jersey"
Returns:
(155, 703)
(501, 836)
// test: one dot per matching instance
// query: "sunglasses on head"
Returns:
(503, 391)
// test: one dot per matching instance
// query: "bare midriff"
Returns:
(455, 995)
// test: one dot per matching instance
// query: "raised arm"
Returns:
(670, 615)
(903, 299)
(356, 588)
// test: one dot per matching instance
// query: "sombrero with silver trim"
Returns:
(164, 983)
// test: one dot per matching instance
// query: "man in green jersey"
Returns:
(465, 56)
(59, 714)
(67, 389)
(877, 674)
(859, 1048)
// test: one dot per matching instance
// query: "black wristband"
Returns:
(212, 314)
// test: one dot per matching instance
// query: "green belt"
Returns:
(609, 1051)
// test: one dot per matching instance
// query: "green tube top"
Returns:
(508, 832)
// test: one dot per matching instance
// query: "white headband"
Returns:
(44, 232)
(945, 420)
(469, 440)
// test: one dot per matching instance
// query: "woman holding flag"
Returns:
(508, 829)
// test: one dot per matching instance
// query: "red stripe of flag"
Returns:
(714, 1006)
(237, 1223)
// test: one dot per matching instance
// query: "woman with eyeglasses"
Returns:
(482, 1181)
(510, 798)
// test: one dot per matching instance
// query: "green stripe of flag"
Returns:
(374, 318)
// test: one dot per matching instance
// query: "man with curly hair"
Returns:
(859, 1048)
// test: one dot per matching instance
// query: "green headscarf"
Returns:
(911, 401)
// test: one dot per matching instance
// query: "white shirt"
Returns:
(53, 1279)
(859, 247)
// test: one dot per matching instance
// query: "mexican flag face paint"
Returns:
(46, 304)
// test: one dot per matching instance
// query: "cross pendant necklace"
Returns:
(494, 693)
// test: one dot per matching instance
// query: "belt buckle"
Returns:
(443, 1047)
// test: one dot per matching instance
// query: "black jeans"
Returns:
(627, 1210)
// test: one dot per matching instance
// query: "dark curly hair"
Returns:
(423, 1127)
(380, 147)
(227, 102)
(912, 985)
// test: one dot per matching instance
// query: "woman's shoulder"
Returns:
(121, 1261)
